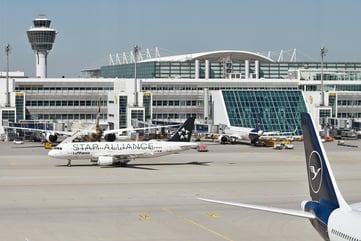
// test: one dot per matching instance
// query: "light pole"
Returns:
(7, 50)
(323, 54)
(135, 52)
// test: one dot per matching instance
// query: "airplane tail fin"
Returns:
(325, 195)
(321, 180)
(184, 132)
(95, 136)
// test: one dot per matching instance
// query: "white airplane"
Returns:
(287, 135)
(120, 153)
(89, 132)
(331, 216)
(234, 134)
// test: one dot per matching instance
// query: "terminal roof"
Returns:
(220, 55)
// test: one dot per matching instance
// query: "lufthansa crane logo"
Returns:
(315, 171)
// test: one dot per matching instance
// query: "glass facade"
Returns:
(348, 105)
(147, 104)
(217, 69)
(8, 115)
(272, 110)
(123, 105)
(20, 106)
(280, 70)
(332, 102)
(137, 114)
(324, 115)
(41, 39)
(144, 70)
(63, 101)
(33, 88)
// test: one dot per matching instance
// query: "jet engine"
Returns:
(224, 139)
(51, 137)
(227, 139)
(110, 137)
(112, 161)
(105, 161)
(254, 135)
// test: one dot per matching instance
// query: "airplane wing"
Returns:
(136, 129)
(291, 212)
(68, 133)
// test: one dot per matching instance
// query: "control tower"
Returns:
(41, 38)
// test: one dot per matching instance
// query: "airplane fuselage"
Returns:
(90, 150)
(338, 231)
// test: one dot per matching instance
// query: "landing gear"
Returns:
(69, 163)
(124, 163)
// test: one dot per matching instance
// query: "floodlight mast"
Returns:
(7, 50)
(323, 54)
(135, 52)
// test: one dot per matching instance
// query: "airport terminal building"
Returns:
(245, 89)
(222, 87)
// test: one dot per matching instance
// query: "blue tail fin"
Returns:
(321, 183)
(184, 132)
(324, 192)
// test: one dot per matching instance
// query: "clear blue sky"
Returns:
(88, 31)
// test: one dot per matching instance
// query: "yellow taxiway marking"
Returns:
(12, 164)
(145, 217)
(213, 215)
(197, 224)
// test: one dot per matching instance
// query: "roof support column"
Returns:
(207, 69)
(246, 69)
(196, 70)
(256, 68)
(206, 104)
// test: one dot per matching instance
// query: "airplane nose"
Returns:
(51, 153)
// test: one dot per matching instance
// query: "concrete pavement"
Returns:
(155, 199)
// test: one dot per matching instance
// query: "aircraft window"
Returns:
(344, 236)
